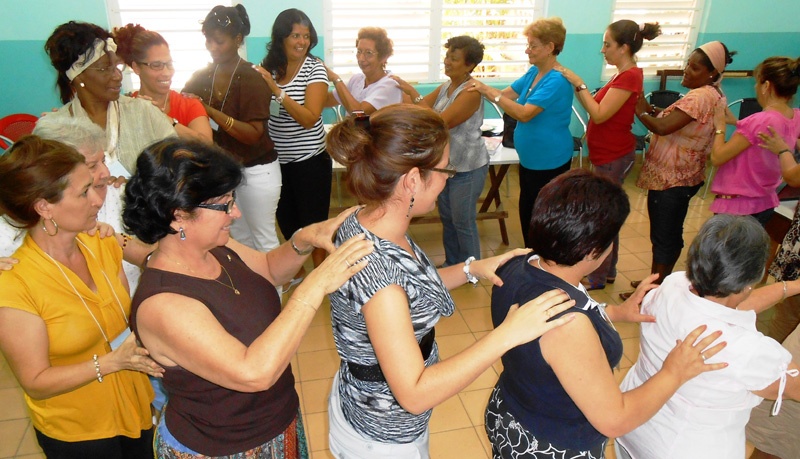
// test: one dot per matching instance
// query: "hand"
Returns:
(267, 76)
(689, 357)
(143, 97)
(103, 229)
(530, 321)
(772, 142)
(629, 310)
(573, 79)
(190, 95)
(7, 263)
(720, 115)
(642, 105)
(321, 234)
(117, 182)
(342, 264)
(131, 356)
(486, 268)
(402, 84)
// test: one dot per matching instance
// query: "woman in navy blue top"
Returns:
(558, 393)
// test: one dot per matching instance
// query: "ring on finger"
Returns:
(703, 356)
(347, 262)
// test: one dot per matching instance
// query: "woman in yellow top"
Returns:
(64, 312)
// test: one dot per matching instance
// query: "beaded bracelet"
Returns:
(125, 240)
(97, 368)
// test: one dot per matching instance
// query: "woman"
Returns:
(463, 112)
(541, 102)
(237, 101)
(675, 164)
(559, 393)
(90, 79)
(749, 175)
(147, 53)
(299, 82)
(383, 319)
(372, 89)
(707, 416)
(611, 144)
(207, 309)
(64, 312)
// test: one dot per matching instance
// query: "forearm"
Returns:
(57, 380)
(242, 131)
(453, 276)
(134, 251)
(765, 297)
(347, 100)
(300, 113)
(283, 262)
(637, 406)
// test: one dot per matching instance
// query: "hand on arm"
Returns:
(773, 142)
(7, 263)
(765, 297)
(198, 129)
(666, 125)
(599, 112)
(629, 310)
(722, 151)
(453, 276)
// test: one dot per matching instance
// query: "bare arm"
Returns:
(309, 112)
(765, 297)
(722, 151)
(774, 143)
(599, 112)
(521, 113)
(418, 388)
(454, 276)
(348, 101)
(666, 125)
(198, 129)
(791, 391)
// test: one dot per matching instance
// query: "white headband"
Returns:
(97, 51)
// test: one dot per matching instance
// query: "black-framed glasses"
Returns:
(159, 65)
(449, 170)
(108, 70)
(226, 207)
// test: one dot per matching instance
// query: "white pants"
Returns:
(345, 442)
(257, 198)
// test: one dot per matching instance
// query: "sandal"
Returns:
(590, 286)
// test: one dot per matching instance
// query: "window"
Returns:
(679, 20)
(419, 29)
(178, 21)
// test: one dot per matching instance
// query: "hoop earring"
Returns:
(55, 225)
(181, 234)
(410, 206)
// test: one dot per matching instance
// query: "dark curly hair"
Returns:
(230, 20)
(175, 174)
(472, 48)
(276, 60)
(133, 42)
(66, 45)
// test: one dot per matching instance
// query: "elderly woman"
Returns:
(64, 312)
(390, 376)
(675, 164)
(90, 79)
(609, 138)
(372, 89)
(299, 83)
(147, 54)
(707, 416)
(237, 101)
(541, 102)
(207, 309)
(559, 393)
(463, 112)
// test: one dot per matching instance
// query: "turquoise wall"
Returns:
(27, 82)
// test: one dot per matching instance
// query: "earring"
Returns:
(81, 84)
(181, 234)
(410, 206)
(55, 225)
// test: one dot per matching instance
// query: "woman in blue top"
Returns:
(541, 102)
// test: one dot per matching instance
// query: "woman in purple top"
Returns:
(749, 174)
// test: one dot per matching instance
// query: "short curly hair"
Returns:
(548, 30)
(171, 175)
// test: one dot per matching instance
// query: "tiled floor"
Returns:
(457, 424)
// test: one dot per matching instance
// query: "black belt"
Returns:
(373, 373)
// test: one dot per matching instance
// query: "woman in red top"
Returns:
(611, 143)
(147, 53)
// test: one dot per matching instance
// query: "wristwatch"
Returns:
(279, 98)
(497, 98)
(580, 87)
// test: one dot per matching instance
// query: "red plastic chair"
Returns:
(12, 127)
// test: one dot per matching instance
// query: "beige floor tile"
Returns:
(453, 344)
(627, 330)
(486, 380)
(457, 444)
(316, 425)
(630, 348)
(453, 325)
(29, 445)
(318, 364)
(315, 395)
(468, 297)
(11, 434)
(317, 338)
(636, 244)
(478, 319)
(449, 415)
(475, 403)
(7, 379)
(13, 404)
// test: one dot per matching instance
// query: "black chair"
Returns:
(663, 98)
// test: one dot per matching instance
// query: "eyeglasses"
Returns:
(227, 207)
(532, 46)
(368, 53)
(109, 69)
(450, 170)
(159, 65)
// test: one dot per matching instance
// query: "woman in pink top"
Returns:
(611, 143)
(748, 174)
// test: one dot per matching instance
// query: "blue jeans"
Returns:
(458, 211)
(667, 210)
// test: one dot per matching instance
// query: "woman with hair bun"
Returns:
(237, 101)
(612, 146)
(147, 53)
(749, 175)
(390, 376)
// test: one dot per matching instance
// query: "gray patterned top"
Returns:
(370, 407)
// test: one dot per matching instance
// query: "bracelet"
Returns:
(279, 98)
(229, 123)
(783, 297)
(719, 132)
(175, 122)
(470, 277)
(125, 240)
(418, 99)
(337, 81)
(298, 251)
(786, 150)
(304, 302)
(643, 114)
(97, 368)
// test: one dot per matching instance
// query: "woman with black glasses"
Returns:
(90, 79)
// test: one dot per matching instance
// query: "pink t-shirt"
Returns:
(679, 159)
(613, 139)
(752, 176)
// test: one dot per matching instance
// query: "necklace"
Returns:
(214, 77)
(539, 262)
(232, 286)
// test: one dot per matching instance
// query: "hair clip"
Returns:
(361, 120)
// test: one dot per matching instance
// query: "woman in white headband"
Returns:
(89, 80)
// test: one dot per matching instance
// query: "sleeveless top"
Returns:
(467, 148)
(204, 416)
(532, 390)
